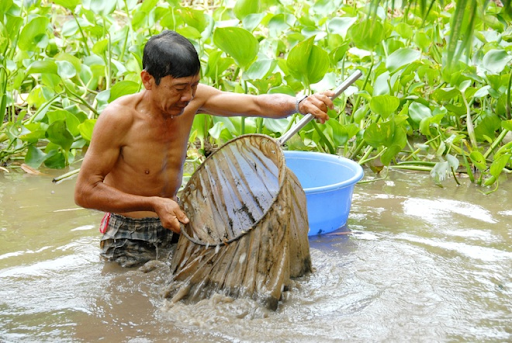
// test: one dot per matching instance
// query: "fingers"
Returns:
(172, 223)
(181, 216)
(318, 105)
(171, 216)
(177, 217)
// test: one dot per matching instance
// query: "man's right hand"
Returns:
(170, 214)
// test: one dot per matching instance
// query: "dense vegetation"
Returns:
(430, 98)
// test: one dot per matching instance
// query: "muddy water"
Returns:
(421, 264)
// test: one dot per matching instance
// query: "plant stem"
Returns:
(323, 138)
(496, 142)
(418, 168)
(365, 159)
(509, 115)
(66, 175)
(84, 38)
(357, 150)
(469, 122)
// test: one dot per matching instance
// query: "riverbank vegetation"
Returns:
(435, 95)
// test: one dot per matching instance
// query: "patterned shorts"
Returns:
(131, 242)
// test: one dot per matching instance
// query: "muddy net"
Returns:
(247, 235)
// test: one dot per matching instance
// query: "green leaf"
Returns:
(496, 60)
(56, 115)
(385, 105)
(422, 40)
(389, 154)
(341, 25)
(498, 164)
(65, 69)
(103, 7)
(478, 160)
(252, 21)
(194, 18)
(123, 88)
(189, 32)
(86, 128)
(237, 42)
(55, 159)
(58, 133)
(148, 5)
(400, 58)
(487, 127)
(385, 134)
(507, 124)
(430, 121)
(34, 157)
(32, 34)
(445, 94)
(419, 111)
(245, 7)
(4, 7)
(367, 34)
(71, 120)
(259, 69)
(404, 30)
(482, 92)
(38, 67)
(100, 47)
(69, 4)
(307, 62)
(220, 132)
(37, 132)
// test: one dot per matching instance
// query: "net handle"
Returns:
(307, 118)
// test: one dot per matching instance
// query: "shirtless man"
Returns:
(134, 165)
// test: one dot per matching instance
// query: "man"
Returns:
(134, 165)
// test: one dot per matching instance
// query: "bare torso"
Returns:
(151, 154)
(134, 163)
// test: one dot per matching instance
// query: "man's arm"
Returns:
(91, 190)
(228, 104)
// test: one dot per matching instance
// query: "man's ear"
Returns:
(147, 80)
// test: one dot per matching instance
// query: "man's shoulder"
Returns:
(122, 108)
(119, 114)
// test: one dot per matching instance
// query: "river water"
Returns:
(419, 263)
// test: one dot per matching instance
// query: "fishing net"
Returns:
(247, 234)
(248, 229)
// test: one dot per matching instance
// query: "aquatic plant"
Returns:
(435, 94)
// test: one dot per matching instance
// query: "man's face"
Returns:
(173, 95)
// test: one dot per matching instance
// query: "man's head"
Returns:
(169, 53)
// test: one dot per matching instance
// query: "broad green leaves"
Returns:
(307, 62)
(33, 35)
(58, 72)
(123, 88)
(238, 43)
(496, 60)
(69, 4)
(245, 7)
(384, 105)
(401, 58)
(367, 34)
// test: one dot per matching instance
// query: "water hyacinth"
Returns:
(438, 75)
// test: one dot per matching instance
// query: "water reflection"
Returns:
(420, 264)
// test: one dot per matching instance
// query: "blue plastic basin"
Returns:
(328, 182)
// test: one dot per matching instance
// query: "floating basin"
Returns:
(328, 182)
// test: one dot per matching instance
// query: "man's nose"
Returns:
(187, 95)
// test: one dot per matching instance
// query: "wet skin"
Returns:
(134, 165)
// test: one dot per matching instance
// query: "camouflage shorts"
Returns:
(131, 242)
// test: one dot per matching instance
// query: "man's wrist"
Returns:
(298, 100)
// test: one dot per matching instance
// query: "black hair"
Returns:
(169, 53)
